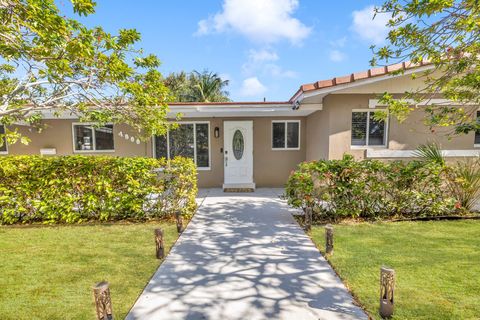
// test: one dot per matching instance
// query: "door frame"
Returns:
(226, 183)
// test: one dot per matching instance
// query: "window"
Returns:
(366, 131)
(87, 137)
(477, 132)
(286, 134)
(190, 140)
(3, 147)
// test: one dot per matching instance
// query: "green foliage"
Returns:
(464, 182)
(73, 189)
(445, 33)
(197, 87)
(462, 178)
(50, 63)
(369, 189)
(430, 152)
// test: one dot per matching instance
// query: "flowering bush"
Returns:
(370, 189)
(73, 189)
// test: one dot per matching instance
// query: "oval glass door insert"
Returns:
(238, 144)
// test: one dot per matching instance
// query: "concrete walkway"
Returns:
(244, 257)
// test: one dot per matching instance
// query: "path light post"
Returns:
(179, 217)
(387, 288)
(308, 218)
(159, 242)
(329, 239)
(103, 301)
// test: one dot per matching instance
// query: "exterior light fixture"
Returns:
(216, 132)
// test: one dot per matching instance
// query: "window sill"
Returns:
(285, 149)
(476, 145)
(3, 153)
(204, 169)
(93, 151)
(367, 147)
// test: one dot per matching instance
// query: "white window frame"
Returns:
(194, 144)
(366, 146)
(94, 142)
(476, 145)
(6, 143)
(286, 148)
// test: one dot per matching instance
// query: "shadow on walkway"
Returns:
(244, 257)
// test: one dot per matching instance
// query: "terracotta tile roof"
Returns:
(370, 73)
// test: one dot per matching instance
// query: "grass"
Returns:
(48, 272)
(437, 266)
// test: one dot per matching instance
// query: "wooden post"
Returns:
(103, 302)
(387, 288)
(329, 239)
(308, 218)
(179, 217)
(159, 242)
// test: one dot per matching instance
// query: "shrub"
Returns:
(462, 177)
(369, 189)
(72, 189)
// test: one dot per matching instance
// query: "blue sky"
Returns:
(266, 48)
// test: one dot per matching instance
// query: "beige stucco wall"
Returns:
(400, 136)
(318, 128)
(59, 134)
(271, 167)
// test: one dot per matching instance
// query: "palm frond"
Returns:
(430, 152)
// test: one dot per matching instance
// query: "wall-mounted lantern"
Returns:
(216, 132)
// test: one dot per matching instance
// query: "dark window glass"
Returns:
(376, 133)
(359, 128)
(83, 137)
(181, 141)
(161, 146)
(477, 132)
(293, 134)
(238, 144)
(202, 145)
(3, 146)
(104, 138)
(278, 135)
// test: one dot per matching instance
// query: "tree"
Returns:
(197, 86)
(446, 34)
(208, 87)
(53, 64)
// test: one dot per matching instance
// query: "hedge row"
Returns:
(370, 188)
(73, 189)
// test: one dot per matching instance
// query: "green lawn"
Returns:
(48, 272)
(437, 265)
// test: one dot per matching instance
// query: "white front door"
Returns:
(238, 153)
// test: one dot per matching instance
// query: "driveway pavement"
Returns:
(243, 256)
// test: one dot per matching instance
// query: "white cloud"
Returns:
(276, 71)
(262, 55)
(263, 62)
(337, 56)
(265, 21)
(252, 87)
(368, 28)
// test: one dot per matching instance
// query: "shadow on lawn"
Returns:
(244, 259)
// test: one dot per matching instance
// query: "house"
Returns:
(248, 144)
